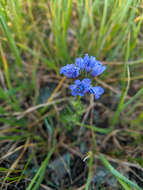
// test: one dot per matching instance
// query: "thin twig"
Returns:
(31, 109)
(56, 89)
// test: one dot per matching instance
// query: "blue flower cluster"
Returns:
(88, 65)
(70, 71)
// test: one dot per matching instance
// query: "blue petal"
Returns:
(80, 63)
(77, 82)
(86, 81)
(97, 91)
(97, 70)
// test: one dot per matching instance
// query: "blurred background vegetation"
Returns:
(37, 37)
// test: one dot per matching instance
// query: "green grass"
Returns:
(36, 39)
(122, 179)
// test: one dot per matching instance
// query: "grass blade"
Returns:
(11, 42)
(40, 174)
(117, 174)
(91, 159)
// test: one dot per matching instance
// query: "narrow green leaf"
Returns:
(36, 181)
(117, 174)
(11, 42)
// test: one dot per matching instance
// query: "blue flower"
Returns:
(80, 87)
(97, 91)
(84, 66)
(86, 63)
(89, 62)
(80, 63)
(98, 69)
(70, 71)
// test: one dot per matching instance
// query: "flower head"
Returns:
(97, 91)
(86, 65)
(70, 71)
(80, 87)
(98, 69)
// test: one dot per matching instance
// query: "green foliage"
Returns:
(125, 182)
(7, 33)
(71, 116)
(36, 38)
(36, 181)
